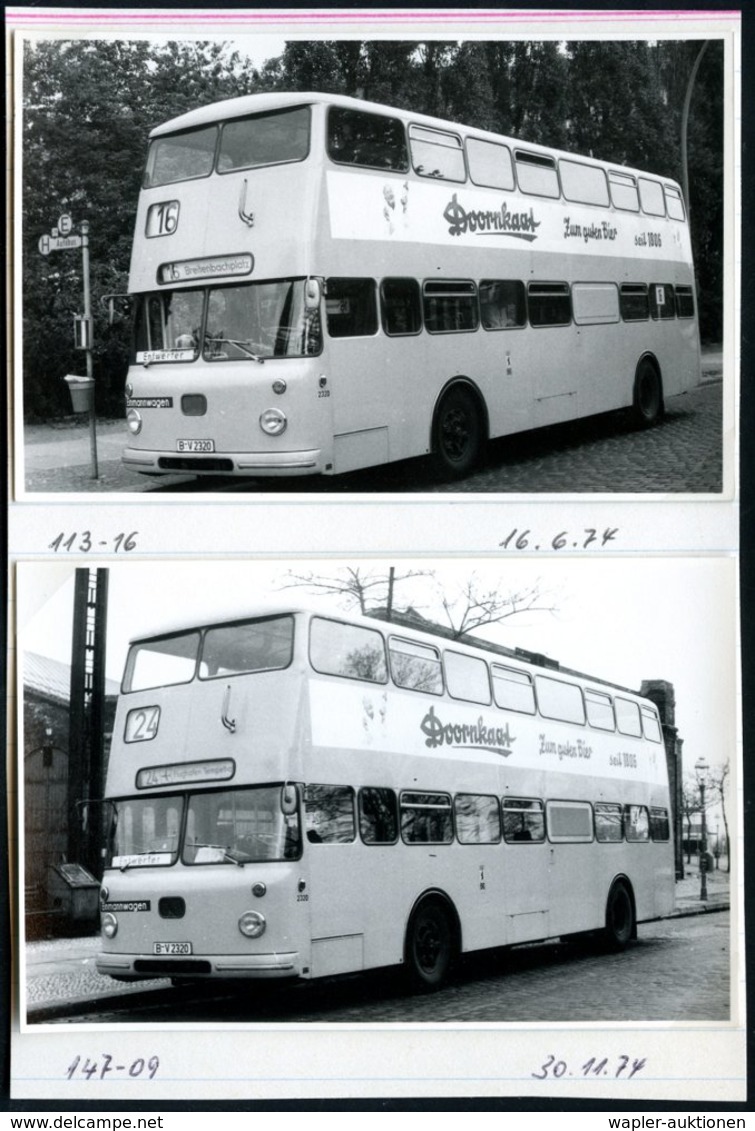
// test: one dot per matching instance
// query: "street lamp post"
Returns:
(701, 769)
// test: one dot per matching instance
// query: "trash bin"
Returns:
(82, 392)
(77, 892)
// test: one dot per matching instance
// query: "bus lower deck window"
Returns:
(329, 814)
(351, 308)
(426, 818)
(662, 300)
(634, 303)
(685, 303)
(523, 821)
(502, 304)
(378, 815)
(549, 304)
(478, 818)
(450, 306)
(401, 308)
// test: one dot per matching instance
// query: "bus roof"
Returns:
(277, 100)
(427, 632)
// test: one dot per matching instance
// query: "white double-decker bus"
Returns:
(294, 795)
(324, 284)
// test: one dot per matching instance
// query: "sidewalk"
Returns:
(60, 973)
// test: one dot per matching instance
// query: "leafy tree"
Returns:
(88, 108)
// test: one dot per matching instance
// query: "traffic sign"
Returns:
(57, 243)
(65, 223)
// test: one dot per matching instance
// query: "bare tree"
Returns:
(473, 605)
(476, 605)
(359, 588)
(690, 808)
(717, 786)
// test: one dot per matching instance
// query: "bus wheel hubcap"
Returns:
(456, 433)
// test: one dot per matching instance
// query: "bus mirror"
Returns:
(288, 800)
(312, 294)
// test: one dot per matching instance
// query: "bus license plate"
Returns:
(171, 948)
(195, 445)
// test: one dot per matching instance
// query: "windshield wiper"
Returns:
(239, 345)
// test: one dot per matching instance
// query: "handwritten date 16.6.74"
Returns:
(565, 539)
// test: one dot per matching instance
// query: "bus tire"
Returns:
(648, 394)
(458, 432)
(620, 921)
(430, 945)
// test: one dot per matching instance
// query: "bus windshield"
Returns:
(252, 321)
(238, 826)
(227, 649)
(245, 143)
(235, 826)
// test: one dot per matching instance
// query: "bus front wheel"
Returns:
(458, 433)
(430, 945)
(620, 925)
(648, 395)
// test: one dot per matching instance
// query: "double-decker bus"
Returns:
(324, 284)
(295, 794)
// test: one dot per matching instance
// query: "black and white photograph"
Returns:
(435, 792)
(265, 265)
(320, 791)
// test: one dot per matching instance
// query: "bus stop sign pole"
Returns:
(84, 227)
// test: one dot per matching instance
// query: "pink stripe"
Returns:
(93, 17)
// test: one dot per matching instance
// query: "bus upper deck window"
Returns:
(537, 174)
(265, 139)
(674, 202)
(180, 157)
(624, 193)
(585, 184)
(437, 154)
(490, 164)
(651, 197)
(373, 141)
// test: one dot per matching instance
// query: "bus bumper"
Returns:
(227, 463)
(134, 967)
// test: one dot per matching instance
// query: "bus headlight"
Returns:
(133, 421)
(252, 924)
(273, 421)
(109, 925)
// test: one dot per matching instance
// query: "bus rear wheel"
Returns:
(458, 433)
(620, 925)
(648, 395)
(430, 946)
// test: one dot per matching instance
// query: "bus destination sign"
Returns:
(219, 769)
(213, 267)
